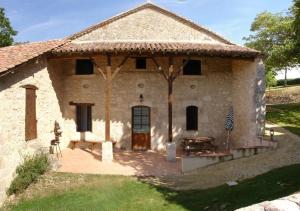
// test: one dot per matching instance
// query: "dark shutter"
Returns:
(83, 118)
(89, 118)
(78, 118)
(192, 118)
(193, 67)
(30, 115)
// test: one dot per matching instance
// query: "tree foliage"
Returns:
(273, 35)
(276, 36)
(6, 30)
(296, 26)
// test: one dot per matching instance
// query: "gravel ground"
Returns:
(287, 153)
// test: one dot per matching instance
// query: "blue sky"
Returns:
(37, 20)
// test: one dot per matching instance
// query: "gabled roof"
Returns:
(224, 48)
(15, 55)
(154, 7)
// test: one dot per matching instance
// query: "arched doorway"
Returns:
(141, 134)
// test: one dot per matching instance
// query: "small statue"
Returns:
(57, 131)
(55, 142)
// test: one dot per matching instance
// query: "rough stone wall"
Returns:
(260, 100)
(148, 25)
(248, 102)
(211, 92)
(13, 146)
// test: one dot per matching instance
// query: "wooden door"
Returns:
(30, 116)
(141, 137)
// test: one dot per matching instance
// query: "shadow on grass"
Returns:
(124, 193)
(272, 185)
(285, 115)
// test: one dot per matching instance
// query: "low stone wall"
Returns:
(289, 203)
(190, 163)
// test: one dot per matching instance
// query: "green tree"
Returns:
(296, 11)
(273, 35)
(6, 30)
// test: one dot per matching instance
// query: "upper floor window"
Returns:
(84, 67)
(141, 63)
(192, 118)
(84, 117)
(193, 67)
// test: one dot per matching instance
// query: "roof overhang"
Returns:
(156, 48)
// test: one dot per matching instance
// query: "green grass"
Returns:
(286, 116)
(125, 193)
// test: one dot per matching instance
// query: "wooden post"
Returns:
(170, 100)
(108, 87)
(170, 78)
(108, 77)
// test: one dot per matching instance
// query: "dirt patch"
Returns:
(283, 95)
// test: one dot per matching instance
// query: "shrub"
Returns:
(295, 81)
(270, 79)
(28, 172)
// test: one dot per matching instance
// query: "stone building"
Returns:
(139, 79)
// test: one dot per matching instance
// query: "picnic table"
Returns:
(198, 144)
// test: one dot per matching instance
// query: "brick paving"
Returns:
(127, 163)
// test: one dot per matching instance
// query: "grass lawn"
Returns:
(94, 192)
(286, 115)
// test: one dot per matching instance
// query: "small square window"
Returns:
(141, 63)
(193, 67)
(84, 67)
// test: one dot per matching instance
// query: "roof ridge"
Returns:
(144, 6)
(149, 41)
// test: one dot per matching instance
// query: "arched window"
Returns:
(192, 118)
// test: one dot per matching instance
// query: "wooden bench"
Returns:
(90, 143)
(198, 144)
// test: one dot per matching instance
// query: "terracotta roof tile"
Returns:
(15, 55)
(226, 50)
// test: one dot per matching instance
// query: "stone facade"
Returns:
(223, 83)
(210, 92)
(149, 25)
(248, 101)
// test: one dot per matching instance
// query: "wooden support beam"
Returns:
(170, 99)
(179, 71)
(119, 67)
(108, 87)
(98, 68)
(159, 68)
(170, 110)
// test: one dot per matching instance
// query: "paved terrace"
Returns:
(128, 163)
